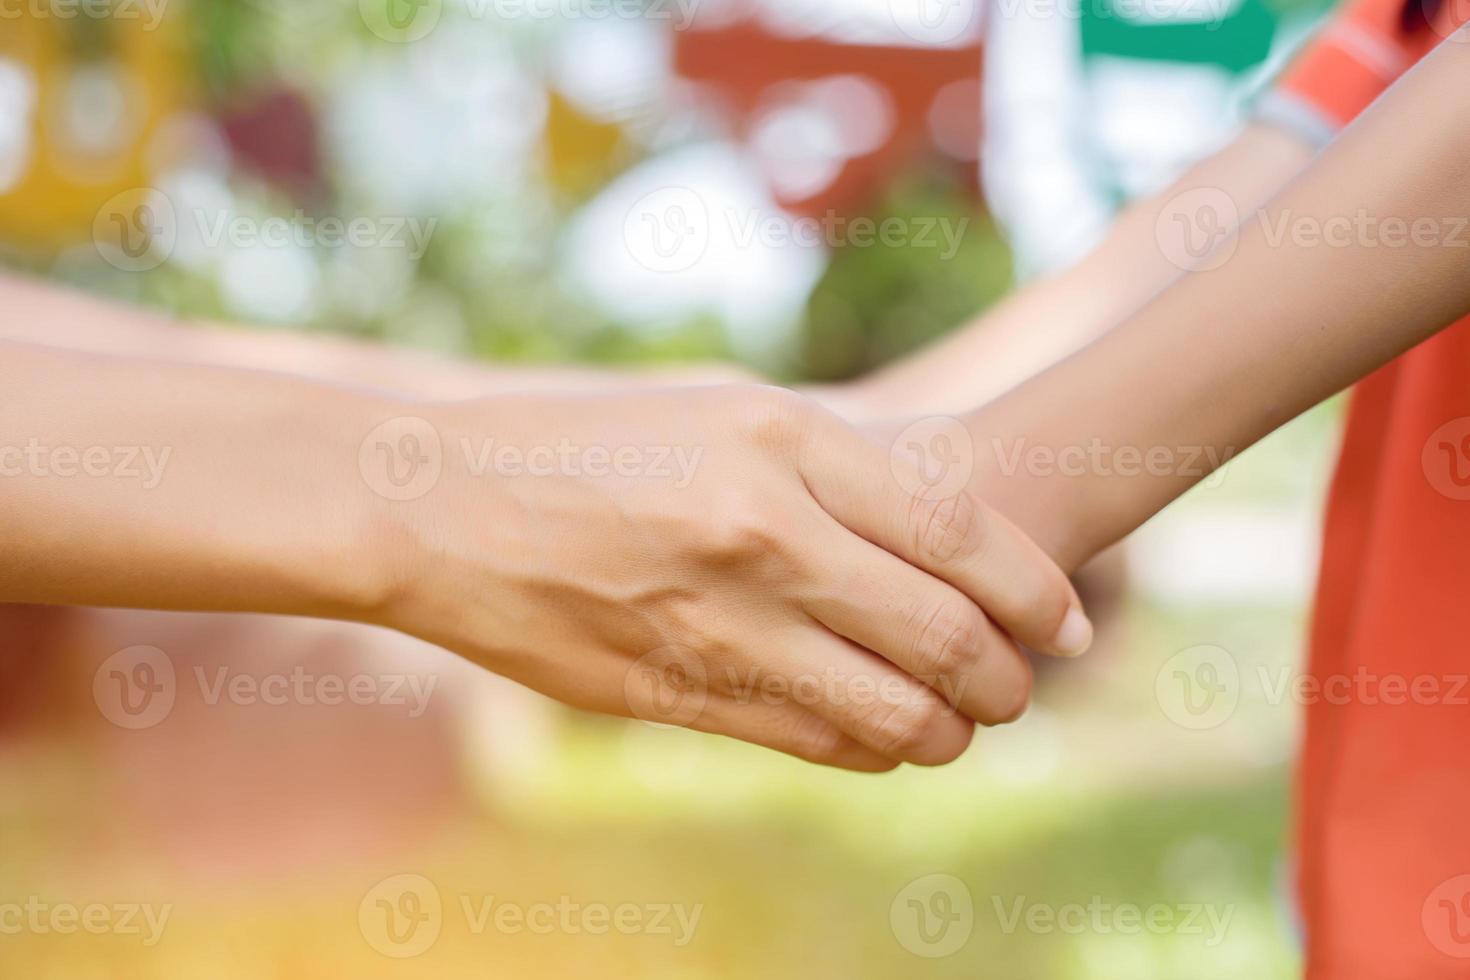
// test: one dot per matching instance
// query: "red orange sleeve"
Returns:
(1361, 52)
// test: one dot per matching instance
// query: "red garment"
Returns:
(1384, 783)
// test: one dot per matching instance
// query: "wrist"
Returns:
(365, 538)
(1015, 473)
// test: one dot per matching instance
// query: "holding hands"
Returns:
(777, 581)
(734, 559)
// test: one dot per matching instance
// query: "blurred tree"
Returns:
(877, 302)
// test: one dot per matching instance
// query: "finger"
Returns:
(864, 696)
(791, 730)
(941, 527)
(926, 627)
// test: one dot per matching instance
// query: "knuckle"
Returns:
(812, 738)
(949, 529)
(773, 417)
(741, 527)
(945, 643)
(905, 728)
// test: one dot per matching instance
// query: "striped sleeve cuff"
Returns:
(1296, 115)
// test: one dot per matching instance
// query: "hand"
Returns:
(733, 559)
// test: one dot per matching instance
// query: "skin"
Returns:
(1204, 363)
(1234, 349)
(791, 553)
(1048, 320)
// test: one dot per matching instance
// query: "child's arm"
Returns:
(1047, 320)
(1224, 356)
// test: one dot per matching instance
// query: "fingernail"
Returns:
(1075, 636)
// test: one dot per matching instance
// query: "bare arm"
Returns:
(597, 548)
(1052, 318)
(1224, 356)
(40, 313)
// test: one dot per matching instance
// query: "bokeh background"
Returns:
(633, 183)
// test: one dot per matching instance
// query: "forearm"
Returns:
(41, 313)
(1048, 320)
(1224, 356)
(133, 483)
